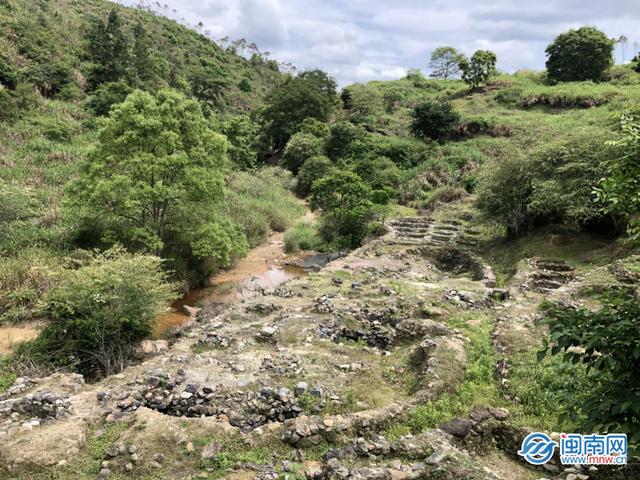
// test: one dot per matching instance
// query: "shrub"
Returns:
(433, 121)
(503, 193)
(100, 312)
(347, 141)
(404, 152)
(379, 173)
(607, 341)
(312, 169)
(107, 95)
(346, 208)
(300, 148)
(446, 194)
(302, 236)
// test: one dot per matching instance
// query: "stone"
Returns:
(458, 427)
(301, 388)
(436, 458)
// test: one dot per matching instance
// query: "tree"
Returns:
(578, 55)
(619, 191)
(363, 101)
(622, 41)
(240, 131)
(347, 141)
(433, 120)
(311, 94)
(445, 62)
(478, 68)
(108, 50)
(155, 182)
(312, 169)
(300, 148)
(346, 208)
(607, 342)
(143, 63)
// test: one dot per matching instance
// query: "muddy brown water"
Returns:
(263, 268)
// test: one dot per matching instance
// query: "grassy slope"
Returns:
(40, 151)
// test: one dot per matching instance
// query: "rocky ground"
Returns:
(320, 378)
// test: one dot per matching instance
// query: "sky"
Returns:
(362, 40)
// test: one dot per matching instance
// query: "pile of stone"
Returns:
(19, 386)
(465, 299)
(284, 292)
(176, 397)
(214, 340)
(323, 304)
(283, 364)
(263, 308)
(32, 410)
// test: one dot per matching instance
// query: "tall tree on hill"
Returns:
(579, 55)
(142, 60)
(445, 62)
(108, 50)
(312, 94)
(478, 68)
(622, 40)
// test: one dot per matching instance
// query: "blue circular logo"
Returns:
(537, 448)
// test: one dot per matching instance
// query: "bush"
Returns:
(300, 148)
(433, 121)
(347, 141)
(404, 152)
(100, 312)
(607, 341)
(107, 95)
(312, 169)
(446, 194)
(346, 208)
(302, 236)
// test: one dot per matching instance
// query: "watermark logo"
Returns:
(575, 449)
(537, 448)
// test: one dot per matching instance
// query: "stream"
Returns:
(263, 268)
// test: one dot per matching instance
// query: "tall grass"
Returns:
(261, 202)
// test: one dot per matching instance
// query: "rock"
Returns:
(128, 467)
(134, 458)
(133, 449)
(301, 388)
(458, 427)
(113, 451)
(316, 391)
(268, 331)
(191, 311)
(499, 413)
(153, 347)
(572, 476)
(436, 458)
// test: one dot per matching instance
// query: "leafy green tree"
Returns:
(607, 341)
(155, 182)
(300, 148)
(578, 55)
(478, 69)
(620, 189)
(312, 169)
(240, 131)
(99, 313)
(107, 95)
(315, 127)
(347, 141)
(346, 208)
(445, 62)
(312, 94)
(504, 193)
(433, 120)
(142, 62)
(108, 50)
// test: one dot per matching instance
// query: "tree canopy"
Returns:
(578, 55)
(445, 62)
(312, 94)
(478, 68)
(155, 182)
